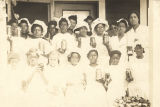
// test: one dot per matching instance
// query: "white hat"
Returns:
(98, 21)
(65, 18)
(57, 20)
(124, 20)
(29, 25)
(82, 24)
(138, 43)
(41, 23)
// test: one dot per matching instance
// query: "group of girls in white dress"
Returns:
(75, 62)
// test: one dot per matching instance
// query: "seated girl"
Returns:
(140, 66)
(116, 88)
(95, 91)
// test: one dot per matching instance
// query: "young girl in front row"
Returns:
(75, 81)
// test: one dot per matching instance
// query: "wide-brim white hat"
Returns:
(98, 21)
(41, 23)
(82, 24)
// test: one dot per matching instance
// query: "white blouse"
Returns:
(141, 35)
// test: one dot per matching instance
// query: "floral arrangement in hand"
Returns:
(132, 101)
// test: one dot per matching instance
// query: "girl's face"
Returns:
(64, 27)
(100, 28)
(74, 59)
(37, 32)
(32, 61)
(24, 28)
(133, 19)
(83, 31)
(121, 28)
(114, 60)
(139, 51)
(93, 57)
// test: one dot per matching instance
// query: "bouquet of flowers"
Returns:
(132, 101)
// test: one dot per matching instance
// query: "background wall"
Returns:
(91, 6)
(116, 9)
(32, 11)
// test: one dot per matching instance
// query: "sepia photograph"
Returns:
(79, 53)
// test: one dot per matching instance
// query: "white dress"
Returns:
(19, 46)
(13, 94)
(56, 85)
(101, 48)
(141, 34)
(70, 42)
(140, 85)
(120, 45)
(85, 48)
(74, 95)
(40, 44)
(36, 93)
(116, 88)
(95, 93)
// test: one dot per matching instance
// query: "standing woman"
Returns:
(25, 28)
(51, 31)
(38, 30)
(137, 32)
(97, 40)
(16, 40)
(120, 42)
(63, 42)
(83, 40)
(73, 23)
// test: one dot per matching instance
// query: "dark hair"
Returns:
(23, 21)
(115, 52)
(73, 17)
(70, 55)
(92, 51)
(34, 26)
(123, 21)
(63, 20)
(114, 23)
(136, 12)
(52, 23)
(89, 18)
(140, 46)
